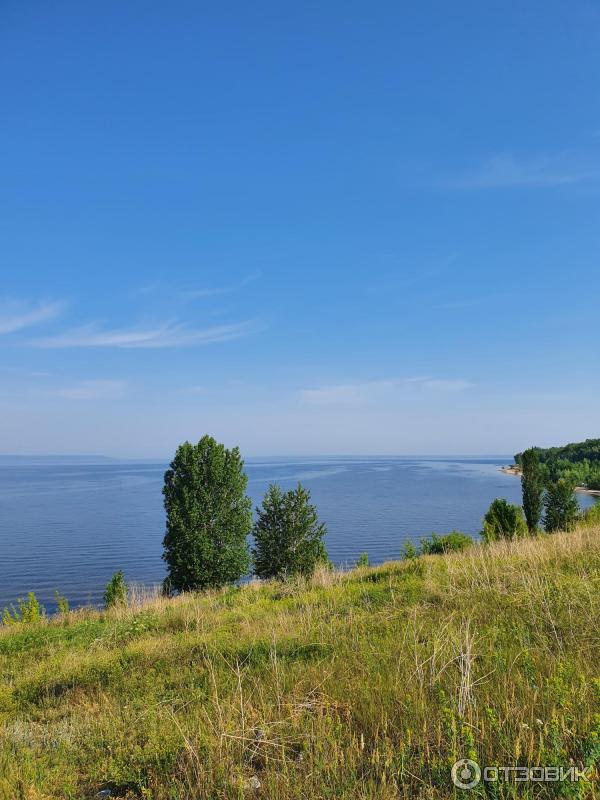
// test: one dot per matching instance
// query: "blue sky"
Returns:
(302, 227)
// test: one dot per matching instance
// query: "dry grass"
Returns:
(362, 684)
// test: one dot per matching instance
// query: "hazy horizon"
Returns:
(253, 456)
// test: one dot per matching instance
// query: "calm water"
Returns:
(71, 527)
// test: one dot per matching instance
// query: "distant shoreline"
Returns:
(510, 470)
(514, 470)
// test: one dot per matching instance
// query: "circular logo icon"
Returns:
(465, 773)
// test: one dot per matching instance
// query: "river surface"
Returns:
(70, 527)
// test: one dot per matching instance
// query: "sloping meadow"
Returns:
(364, 684)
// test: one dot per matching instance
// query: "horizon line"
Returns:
(157, 459)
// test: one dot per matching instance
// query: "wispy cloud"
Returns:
(346, 393)
(90, 390)
(167, 335)
(16, 316)
(215, 291)
(32, 385)
(372, 391)
(439, 384)
(506, 171)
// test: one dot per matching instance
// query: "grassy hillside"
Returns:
(368, 684)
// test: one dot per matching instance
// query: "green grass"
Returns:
(368, 684)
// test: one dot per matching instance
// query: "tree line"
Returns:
(574, 452)
(579, 462)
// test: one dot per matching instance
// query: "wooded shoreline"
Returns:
(514, 470)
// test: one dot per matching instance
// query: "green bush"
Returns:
(408, 550)
(452, 542)
(593, 479)
(29, 610)
(363, 560)
(62, 604)
(503, 520)
(115, 593)
(591, 516)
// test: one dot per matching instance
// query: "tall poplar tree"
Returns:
(532, 485)
(208, 517)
